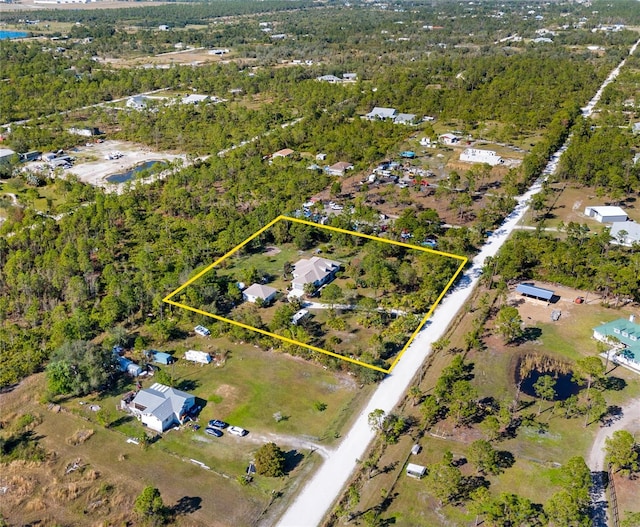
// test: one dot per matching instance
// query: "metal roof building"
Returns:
(535, 292)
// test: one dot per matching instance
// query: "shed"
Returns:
(416, 471)
(408, 154)
(162, 358)
(606, 214)
(128, 366)
(197, 356)
(535, 292)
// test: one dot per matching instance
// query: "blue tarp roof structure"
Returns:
(536, 292)
(162, 358)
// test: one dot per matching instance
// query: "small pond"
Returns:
(126, 176)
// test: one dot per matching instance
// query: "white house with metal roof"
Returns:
(606, 214)
(160, 407)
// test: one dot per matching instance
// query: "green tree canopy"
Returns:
(270, 460)
(79, 367)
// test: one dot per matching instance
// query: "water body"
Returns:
(13, 34)
(127, 176)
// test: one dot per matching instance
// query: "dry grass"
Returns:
(80, 436)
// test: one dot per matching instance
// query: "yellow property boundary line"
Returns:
(463, 262)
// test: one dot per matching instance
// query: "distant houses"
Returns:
(477, 155)
(339, 168)
(380, 113)
(333, 79)
(285, 152)
(138, 102)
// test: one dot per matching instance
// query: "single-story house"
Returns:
(160, 407)
(161, 358)
(194, 98)
(606, 214)
(255, 291)
(448, 139)
(405, 118)
(350, 76)
(197, 356)
(535, 292)
(128, 366)
(625, 233)
(381, 113)
(329, 78)
(285, 152)
(339, 168)
(416, 471)
(315, 270)
(476, 155)
(627, 333)
(137, 102)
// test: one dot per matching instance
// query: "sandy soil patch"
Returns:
(91, 166)
(533, 311)
(272, 251)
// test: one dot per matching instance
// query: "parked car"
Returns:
(237, 431)
(213, 432)
(202, 331)
(215, 423)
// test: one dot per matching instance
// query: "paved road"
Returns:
(317, 497)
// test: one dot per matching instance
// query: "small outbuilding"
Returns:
(606, 214)
(299, 316)
(416, 471)
(535, 292)
(162, 358)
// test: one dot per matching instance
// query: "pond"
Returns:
(126, 176)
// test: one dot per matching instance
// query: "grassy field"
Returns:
(246, 391)
(538, 449)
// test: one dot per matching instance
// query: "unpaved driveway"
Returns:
(629, 421)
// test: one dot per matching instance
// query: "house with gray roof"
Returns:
(315, 270)
(625, 233)
(380, 113)
(160, 407)
(255, 291)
